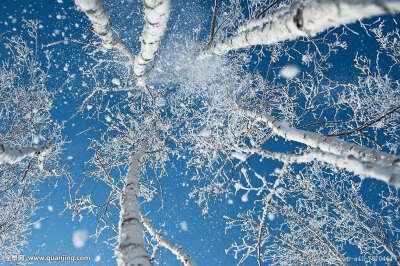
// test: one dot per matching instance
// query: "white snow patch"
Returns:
(88, 107)
(271, 216)
(205, 132)
(50, 208)
(183, 225)
(278, 171)
(97, 258)
(230, 201)
(79, 238)
(289, 72)
(70, 157)
(108, 118)
(116, 82)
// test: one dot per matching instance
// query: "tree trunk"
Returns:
(131, 248)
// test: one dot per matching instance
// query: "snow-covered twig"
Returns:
(304, 19)
(98, 15)
(178, 252)
(267, 202)
(156, 16)
(14, 155)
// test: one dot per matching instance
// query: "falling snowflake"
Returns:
(79, 238)
(37, 225)
(183, 225)
(289, 72)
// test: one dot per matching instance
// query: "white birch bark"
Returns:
(178, 252)
(131, 248)
(361, 160)
(156, 16)
(14, 155)
(305, 19)
(102, 26)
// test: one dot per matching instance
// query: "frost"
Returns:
(97, 258)
(50, 208)
(240, 156)
(238, 186)
(79, 238)
(205, 132)
(289, 72)
(160, 102)
(243, 171)
(108, 118)
(230, 201)
(183, 225)
(88, 107)
(70, 157)
(245, 197)
(35, 139)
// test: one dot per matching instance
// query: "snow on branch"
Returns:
(307, 18)
(156, 16)
(102, 26)
(178, 252)
(14, 155)
(360, 160)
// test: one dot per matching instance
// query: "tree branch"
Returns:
(161, 241)
(302, 20)
(102, 26)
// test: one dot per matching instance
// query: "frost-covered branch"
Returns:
(161, 241)
(267, 201)
(14, 155)
(361, 160)
(156, 16)
(303, 20)
(102, 26)
(347, 162)
(131, 248)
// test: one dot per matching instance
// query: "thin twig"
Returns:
(267, 8)
(214, 20)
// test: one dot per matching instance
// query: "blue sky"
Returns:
(203, 238)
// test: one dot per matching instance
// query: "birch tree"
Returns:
(137, 138)
(30, 140)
